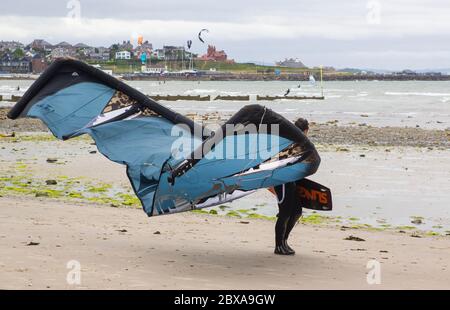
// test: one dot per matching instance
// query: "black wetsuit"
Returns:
(290, 212)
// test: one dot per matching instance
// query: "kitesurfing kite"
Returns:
(200, 35)
(73, 98)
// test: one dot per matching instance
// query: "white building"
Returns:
(152, 70)
(126, 55)
(62, 52)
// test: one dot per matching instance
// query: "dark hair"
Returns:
(302, 124)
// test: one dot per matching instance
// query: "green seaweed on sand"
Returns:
(364, 226)
(17, 190)
(52, 193)
(42, 138)
(260, 216)
(128, 199)
(432, 233)
(244, 211)
(314, 218)
(200, 211)
(406, 227)
(234, 214)
(66, 188)
(99, 189)
(75, 195)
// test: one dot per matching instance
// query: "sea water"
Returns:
(378, 103)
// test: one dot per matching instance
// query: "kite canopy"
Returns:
(172, 163)
(200, 35)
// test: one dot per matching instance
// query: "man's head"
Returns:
(302, 124)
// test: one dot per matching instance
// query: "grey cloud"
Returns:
(412, 33)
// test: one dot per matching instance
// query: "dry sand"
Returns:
(118, 248)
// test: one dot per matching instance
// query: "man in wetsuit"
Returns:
(289, 206)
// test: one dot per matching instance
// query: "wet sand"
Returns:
(122, 249)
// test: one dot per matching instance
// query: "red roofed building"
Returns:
(215, 55)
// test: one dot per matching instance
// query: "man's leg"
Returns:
(282, 221)
(295, 210)
(293, 220)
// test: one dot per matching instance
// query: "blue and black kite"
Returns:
(73, 98)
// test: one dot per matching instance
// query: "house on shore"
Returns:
(38, 64)
(213, 54)
(10, 46)
(41, 45)
(123, 55)
(9, 64)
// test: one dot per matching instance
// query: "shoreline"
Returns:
(249, 77)
(329, 133)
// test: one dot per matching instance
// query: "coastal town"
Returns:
(143, 60)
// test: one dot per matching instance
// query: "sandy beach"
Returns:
(62, 202)
(122, 249)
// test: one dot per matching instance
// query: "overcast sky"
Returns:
(384, 34)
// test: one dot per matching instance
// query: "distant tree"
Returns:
(113, 50)
(18, 53)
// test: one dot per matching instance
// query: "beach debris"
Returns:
(358, 250)
(52, 160)
(416, 220)
(11, 135)
(364, 115)
(362, 155)
(122, 230)
(342, 149)
(384, 251)
(354, 238)
(416, 235)
(244, 222)
(31, 243)
(51, 182)
(157, 232)
(92, 152)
